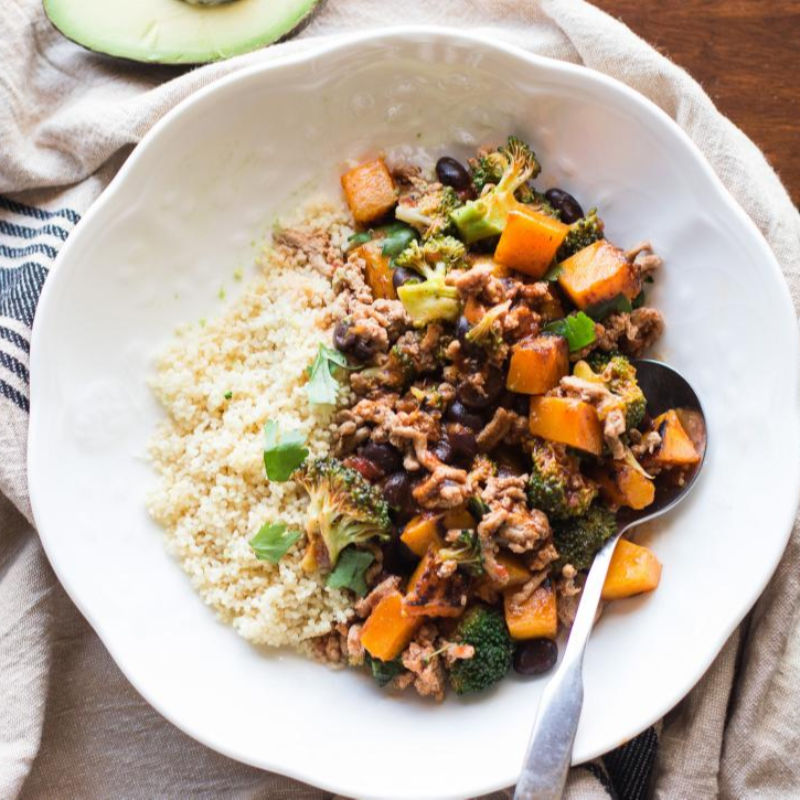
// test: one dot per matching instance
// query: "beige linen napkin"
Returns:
(70, 724)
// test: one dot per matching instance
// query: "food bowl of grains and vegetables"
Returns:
(431, 390)
(338, 389)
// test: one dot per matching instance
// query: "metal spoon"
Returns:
(547, 761)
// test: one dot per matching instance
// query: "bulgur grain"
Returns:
(219, 383)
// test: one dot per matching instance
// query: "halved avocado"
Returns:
(177, 31)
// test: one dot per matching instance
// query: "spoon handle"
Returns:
(547, 761)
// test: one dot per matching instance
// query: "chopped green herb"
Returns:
(221, 293)
(639, 300)
(358, 239)
(273, 541)
(398, 236)
(649, 279)
(350, 571)
(383, 671)
(599, 311)
(553, 273)
(203, 322)
(283, 453)
(322, 387)
(228, 395)
(238, 274)
(577, 329)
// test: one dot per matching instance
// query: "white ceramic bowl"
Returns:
(169, 231)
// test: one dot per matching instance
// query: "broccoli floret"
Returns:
(429, 213)
(467, 552)
(383, 671)
(556, 485)
(511, 167)
(581, 234)
(432, 299)
(485, 629)
(578, 539)
(344, 509)
(485, 333)
(619, 375)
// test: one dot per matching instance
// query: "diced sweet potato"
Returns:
(420, 533)
(387, 632)
(473, 310)
(598, 273)
(622, 485)
(518, 573)
(529, 242)
(378, 272)
(429, 594)
(536, 618)
(568, 421)
(457, 518)
(369, 191)
(676, 448)
(538, 364)
(633, 570)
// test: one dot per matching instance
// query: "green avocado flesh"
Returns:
(174, 31)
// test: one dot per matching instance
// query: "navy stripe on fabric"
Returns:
(599, 774)
(24, 232)
(14, 366)
(31, 249)
(37, 213)
(631, 766)
(16, 339)
(17, 398)
(20, 288)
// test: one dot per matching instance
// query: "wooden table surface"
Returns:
(746, 55)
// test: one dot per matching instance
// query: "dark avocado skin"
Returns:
(298, 28)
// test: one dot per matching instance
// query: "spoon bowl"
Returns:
(665, 389)
(549, 754)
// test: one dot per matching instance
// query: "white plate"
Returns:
(170, 230)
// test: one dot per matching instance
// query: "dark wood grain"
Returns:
(745, 53)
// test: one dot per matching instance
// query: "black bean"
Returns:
(343, 336)
(402, 276)
(479, 396)
(535, 656)
(443, 451)
(452, 173)
(516, 402)
(564, 202)
(398, 559)
(397, 492)
(364, 349)
(463, 444)
(384, 456)
(458, 412)
(463, 327)
(346, 339)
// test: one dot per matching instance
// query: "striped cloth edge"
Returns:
(30, 239)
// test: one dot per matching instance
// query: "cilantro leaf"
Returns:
(599, 311)
(397, 237)
(639, 300)
(350, 571)
(322, 387)
(273, 541)
(358, 239)
(383, 671)
(284, 452)
(577, 329)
